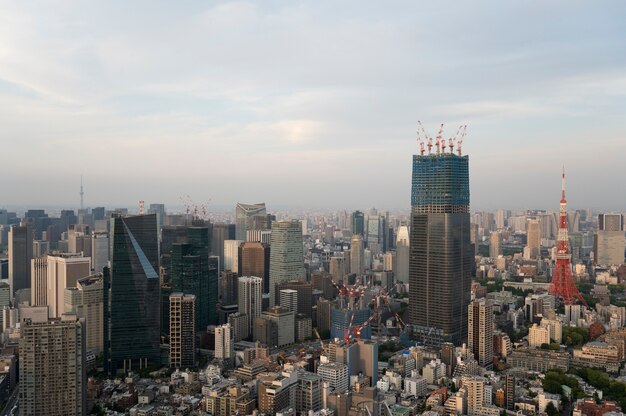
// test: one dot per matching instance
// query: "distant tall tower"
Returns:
(357, 256)
(286, 255)
(495, 244)
(250, 217)
(441, 252)
(82, 194)
(562, 281)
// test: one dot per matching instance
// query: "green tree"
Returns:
(551, 410)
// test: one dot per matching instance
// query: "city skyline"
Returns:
(535, 92)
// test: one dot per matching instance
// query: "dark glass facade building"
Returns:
(134, 299)
(190, 272)
(441, 253)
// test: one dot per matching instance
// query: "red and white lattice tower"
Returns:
(562, 280)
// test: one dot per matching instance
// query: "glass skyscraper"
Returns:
(441, 253)
(133, 305)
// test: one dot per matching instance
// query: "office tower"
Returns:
(441, 254)
(249, 217)
(509, 391)
(240, 325)
(344, 320)
(286, 255)
(324, 313)
(231, 255)
(40, 248)
(448, 357)
(63, 270)
(39, 282)
(97, 213)
(20, 255)
(335, 375)
(5, 301)
(213, 289)
(159, 210)
(258, 236)
(53, 377)
(86, 302)
(309, 392)
(284, 321)
(357, 255)
(402, 255)
(79, 240)
(480, 331)
(533, 237)
(305, 295)
(358, 223)
(224, 343)
(562, 284)
(374, 236)
(133, 305)
(191, 273)
(495, 244)
(182, 330)
(609, 242)
(338, 267)
(250, 298)
(500, 218)
(254, 260)
(289, 299)
(611, 221)
(221, 233)
(229, 285)
(100, 245)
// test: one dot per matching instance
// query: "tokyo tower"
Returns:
(563, 281)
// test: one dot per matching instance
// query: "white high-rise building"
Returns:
(402, 255)
(231, 255)
(224, 342)
(250, 298)
(63, 271)
(538, 335)
(99, 250)
(286, 255)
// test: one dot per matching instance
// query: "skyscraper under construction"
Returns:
(441, 253)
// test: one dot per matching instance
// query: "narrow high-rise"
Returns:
(182, 330)
(441, 253)
(53, 374)
(250, 298)
(286, 255)
(480, 331)
(357, 255)
(20, 255)
(254, 260)
(133, 307)
(402, 255)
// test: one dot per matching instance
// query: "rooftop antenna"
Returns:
(81, 193)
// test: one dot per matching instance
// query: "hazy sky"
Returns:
(309, 103)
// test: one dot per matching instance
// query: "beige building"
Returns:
(86, 301)
(480, 331)
(52, 367)
(533, 238)
(357, 255)
(495, 244)
(39, 281)
(182, 330)
(538, 335)
(63, 271)
(284, 321)
(555, 327)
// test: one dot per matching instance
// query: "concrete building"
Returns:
(182, 330)
(480, 331)
(289, 299)
(495, 244)
(357, 255)
(100, 253)
(39, 282)
(609, 247)
(402, 255)
(304, 291)
(284, 321)
(250, 298)
(538, 335)
(286, 255)
(555, 328)
(63, 271)
(240, 325)
(53, 374)
(335, 375)
(231, 255)
(224, 349)
(533, 238)
(338, 267)
(86, 302)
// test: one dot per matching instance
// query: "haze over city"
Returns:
(154, 101)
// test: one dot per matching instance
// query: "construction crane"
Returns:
(349, 330)
(460, 141)
(319, 338)
(141, 206)
(440, 140)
